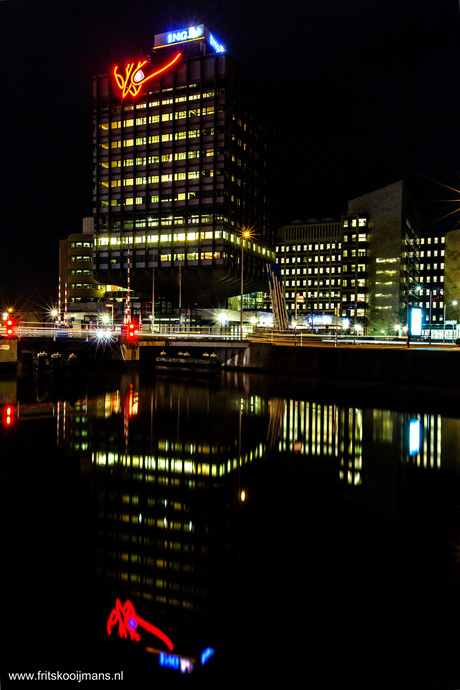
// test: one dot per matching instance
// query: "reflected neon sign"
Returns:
(177, 663)
(128, 620)
(206, 655)
(415, 436)
(134, 77)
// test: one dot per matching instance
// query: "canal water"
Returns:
(249, 532)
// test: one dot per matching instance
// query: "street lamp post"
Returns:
(245, 235)
(431, 290)
(111, 307)
(454, 304)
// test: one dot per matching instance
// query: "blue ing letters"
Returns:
(185, 34)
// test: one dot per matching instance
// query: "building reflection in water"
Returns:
(173, 465)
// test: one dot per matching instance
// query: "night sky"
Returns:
(365, 92)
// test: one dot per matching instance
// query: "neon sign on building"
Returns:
(191, 33)
(130, 83)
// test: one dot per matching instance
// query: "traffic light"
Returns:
(132, 331)
(10, 326)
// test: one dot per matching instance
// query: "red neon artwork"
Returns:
(128, 620)
(134, 75)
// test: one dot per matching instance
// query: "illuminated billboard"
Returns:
(415, 324)
(191, 33)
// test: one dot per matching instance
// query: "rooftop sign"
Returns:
(191, 33)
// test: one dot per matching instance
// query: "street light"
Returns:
(244, 235)
(431, 290)
(111, 307)
(222, 319)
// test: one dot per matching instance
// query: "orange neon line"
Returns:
(152, 650)
(170, 64)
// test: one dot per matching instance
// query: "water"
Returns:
(310, 536)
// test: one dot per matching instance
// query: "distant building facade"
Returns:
(362, 267)
(310, 255)
(432, 294)
(76, 281)
(395, 227)
(451, 292)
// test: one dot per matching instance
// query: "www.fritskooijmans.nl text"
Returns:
(73, 676)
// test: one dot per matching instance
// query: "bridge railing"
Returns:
(295, 337)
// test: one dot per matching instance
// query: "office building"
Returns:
(364, 267)
(450, 248)
(183, 164)
(393, 254)
(76, 282)
(310, 255)
(82, 298)
(432, 288)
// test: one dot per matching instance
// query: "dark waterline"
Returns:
(339, 569)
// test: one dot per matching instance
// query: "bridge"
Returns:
(384, 360)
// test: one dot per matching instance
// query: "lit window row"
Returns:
(155, 179)
(156, 138)
(165, 158)
(152, 119)
(355, 222)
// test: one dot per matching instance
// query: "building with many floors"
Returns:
(362, 268)
(183, 165)
(76, 281)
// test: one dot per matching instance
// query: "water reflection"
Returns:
(265, 527)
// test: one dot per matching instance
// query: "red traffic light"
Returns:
(133, 330)
(10, 327)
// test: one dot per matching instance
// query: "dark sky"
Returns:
(366, 93)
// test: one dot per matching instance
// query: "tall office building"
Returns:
(183, 164)
(364, 267)
(394, 253)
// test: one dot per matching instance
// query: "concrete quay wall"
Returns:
(428, 367)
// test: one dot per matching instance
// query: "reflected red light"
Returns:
(134, 77)
(8, 413)
(128, 620)
(131, 400)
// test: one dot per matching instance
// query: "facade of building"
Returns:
(183, 164)
(432, 297)
(361, 268)
(394, 225)
(76, 282)
(310, 255)
(450, 305)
